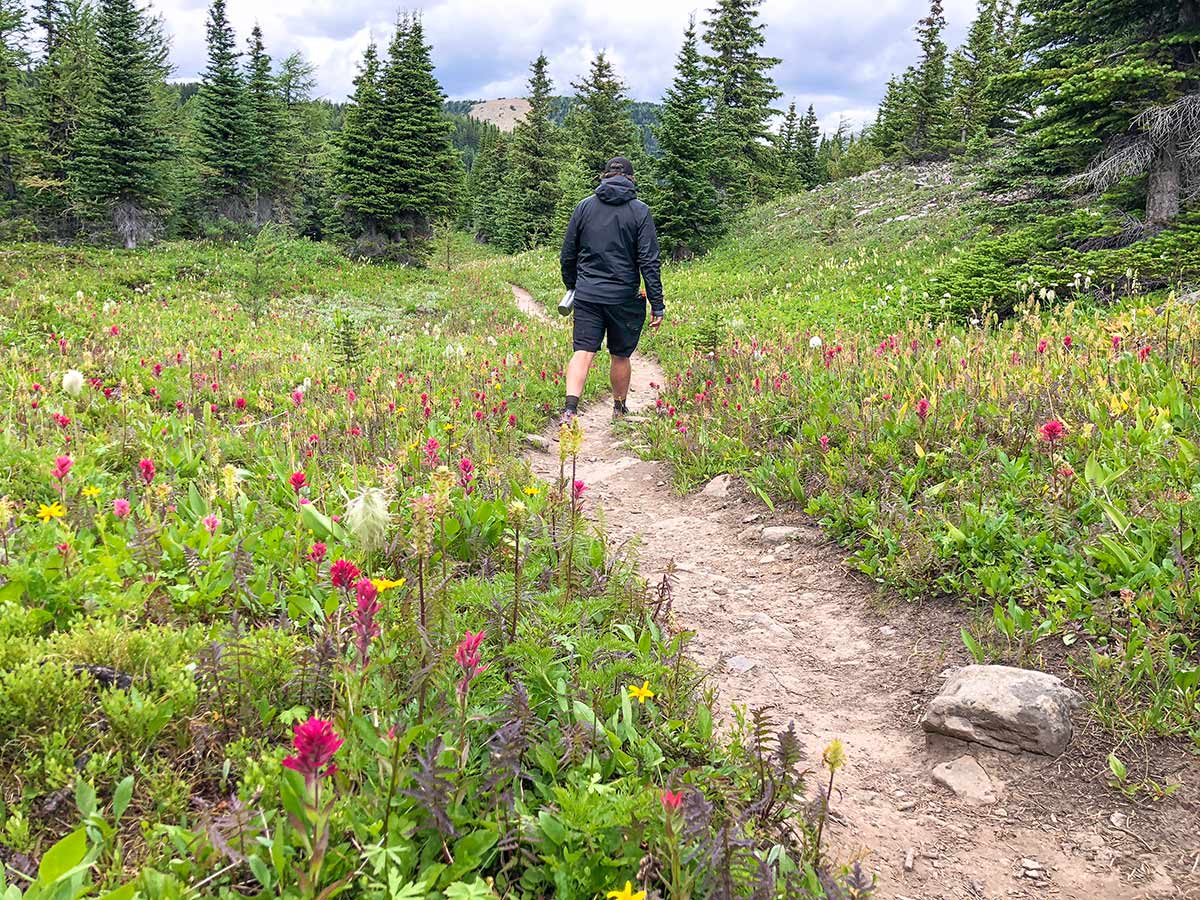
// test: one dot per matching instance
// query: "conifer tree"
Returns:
(973, 70)
(118, 166)
(530, 190)
(686, 211)
(894, 121)
(268, 131)
(598, 127)
(930, 94)
(223, 123)
(1116, 82)
(741, 94)
(439, 173)
(487, 177)
(13, 109)
(807, 137)
(785, 151)
(63, 82)
(356, 177)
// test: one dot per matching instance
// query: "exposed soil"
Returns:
(504, 113)
(786, 626)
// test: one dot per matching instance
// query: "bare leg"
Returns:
(577, 372)
(619, 376)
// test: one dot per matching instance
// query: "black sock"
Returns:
(572, 403)
(620, 406)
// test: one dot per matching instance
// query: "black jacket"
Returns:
(611, 246)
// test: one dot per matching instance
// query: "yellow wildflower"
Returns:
(532, 490)
(54, 511)
(626, 893)
(641, 694)
(834, 755)
(385, 584)
(91, 492)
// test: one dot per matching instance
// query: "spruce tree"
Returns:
(271, 178)
(807, 137)
(13, 105)
(788, 176)
(356, 178)
(484, 187)
(223, 123)
(118, 168)
(930, 93)
(598, 127)
(973, 70)
(741, 94)
(439, 172)
(530, 191)
(687, 214)
(1115, 81)
(63, 82)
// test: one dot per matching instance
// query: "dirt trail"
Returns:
(786, 626)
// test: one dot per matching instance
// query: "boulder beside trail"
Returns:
(718, 487)
(1004, 707)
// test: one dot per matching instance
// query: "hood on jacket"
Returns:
(616, 190)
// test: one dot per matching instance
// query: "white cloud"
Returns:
(835, 55)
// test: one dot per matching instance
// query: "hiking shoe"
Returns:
(566, 416)
(620, 411)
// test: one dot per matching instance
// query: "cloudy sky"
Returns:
(837, 54)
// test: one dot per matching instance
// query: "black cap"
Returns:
(619, 165)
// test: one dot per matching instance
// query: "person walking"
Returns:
(609, 248)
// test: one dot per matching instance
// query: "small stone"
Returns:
(1118, 819)
(887, 630)
(967, 779)
(740, 664)
(537, 442)
(753, 517)
(1027, 863)
(749, 534)
(906, 805)
(777, 534)
(909, 859)
(719, 591)
(718, 487)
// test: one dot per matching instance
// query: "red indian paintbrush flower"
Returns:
(298, 481)
(1052, 431)
(62, 465)
(671, 800)
(467, 656)
(315, 742)
(343, 574)
(316, 552)
(362, 620)
(922, 409)
(146, 467)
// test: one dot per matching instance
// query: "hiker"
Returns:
(610, 246)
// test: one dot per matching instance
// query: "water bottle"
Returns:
(566, 303)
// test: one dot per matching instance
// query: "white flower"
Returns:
(815, 342)
(72, 382)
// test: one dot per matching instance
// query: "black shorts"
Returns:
(622, 322)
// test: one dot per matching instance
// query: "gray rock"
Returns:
(537, 442)
(749, 534)
(740, 664)
(718, 487)
(777, 534)
(967, 779)
(1006, 708)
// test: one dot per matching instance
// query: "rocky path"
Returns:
(780, 623)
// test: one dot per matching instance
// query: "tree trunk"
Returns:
(1166, 183)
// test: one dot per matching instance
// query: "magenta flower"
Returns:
(1068, 341)
(343, 574)
(146, 467)
(121, 508)
(922, 409)
(671, 800)
(824, 442)
(62, 466)
(362, 619)
(431, 451)
(1042, 345)
(297, 397)
(1143, 352)
(298, 481)
(315, 742)
(211, 523)
(316, 552)
(1052, 431)
(578, 489)
(466, 473)
(467, 656)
